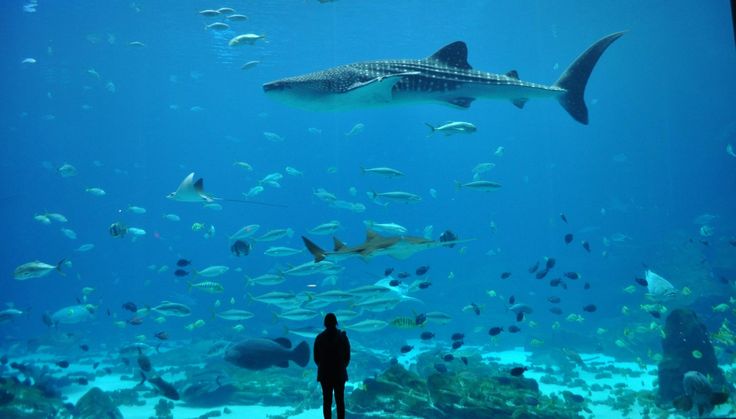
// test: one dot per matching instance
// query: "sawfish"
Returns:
(398, 247)
(444, 77)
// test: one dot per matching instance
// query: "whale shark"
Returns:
(444, 77)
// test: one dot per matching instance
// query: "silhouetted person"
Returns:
(332, 356)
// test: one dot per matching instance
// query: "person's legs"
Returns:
(327, 399)
(340, 399)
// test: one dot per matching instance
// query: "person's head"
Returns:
(330, 320)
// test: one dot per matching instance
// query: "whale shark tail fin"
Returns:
(575, 78)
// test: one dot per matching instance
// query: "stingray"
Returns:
(190, 190)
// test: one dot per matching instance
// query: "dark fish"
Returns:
(476, 309)
(586, 286)
(590, 308)
(512, 300)
(441, 368)
(135, 321)
(564, 218)
(541, 274)
(448, 236)
(555, 310)
(47, 320)
(656, 314)
(424, 285)
(95, 365)
(520, 316)
(641, 281)
(553, 299)
(534, 268)
(406, 348)
(161, 335)
(183, 262)
(585, 245)
(426, 335)
(388, 271)
(240, 248)
(166, 389)
(568, 238)
(505, 275)
(494, 331)
(20, 367)
(261, 353)
(403, 275)
(457, 344)
(143, 361)
(63, 364)
(514, 329)
(420, 319)
(84, 347)
(464, 359)
(395, 282)
(130, 306)
(118, 229)
(518, 371)
(555, 282)
(551, 262)
(422, 270)
(82, 381)
(457, 336)
(181, 272)
(569, 396)
(448, 358)
(572, 275)
(563, 285)
(732, 242)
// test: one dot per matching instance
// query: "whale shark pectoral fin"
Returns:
(461, 102)
(376, 90)
(519, 103)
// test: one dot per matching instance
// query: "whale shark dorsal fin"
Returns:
(199, 185)
(453, 55)
(513, 74)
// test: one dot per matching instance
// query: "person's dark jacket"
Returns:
(332, 355)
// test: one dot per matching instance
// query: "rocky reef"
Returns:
(686, 347)
(96, 404)
(478, 392)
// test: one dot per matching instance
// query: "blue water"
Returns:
(651, 160)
